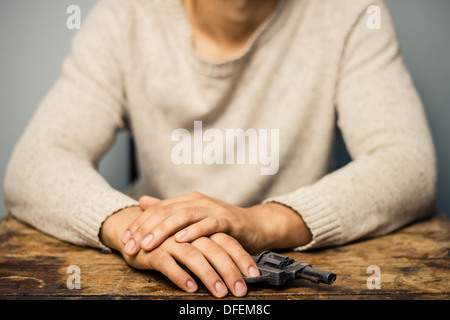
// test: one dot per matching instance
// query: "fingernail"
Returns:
(240, 288)
(126, 236)
(146, 241)
(129, 246)
(180, 235)
(253, 272)
(221, 289)
(191, 286)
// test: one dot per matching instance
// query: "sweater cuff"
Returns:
(317, 213)
(96, 212)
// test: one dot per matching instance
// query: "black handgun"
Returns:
(276, 269)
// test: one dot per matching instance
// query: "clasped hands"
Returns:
(210, 237)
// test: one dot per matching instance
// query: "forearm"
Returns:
(51, 181)
(60, 194)
(391, 178)
(369, 197)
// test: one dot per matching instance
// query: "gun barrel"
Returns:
(318, 275)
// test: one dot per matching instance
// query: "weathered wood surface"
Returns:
(414, 264)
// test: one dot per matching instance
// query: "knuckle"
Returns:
(187, 213)
(195, 194)
(199, 230)
(228, 216)
(223, 238)
(227, 241)
(171, 223)
(214, 223)
(188, 251)
(140, 231)
(135, 225)
(165, 211)
(232, 273)
(149, 212)
(131, 228)
(244, 257)
(160, 231)
(204, 242)
(232, 242)
(160, 260)
(206, 201)
(152, 259)
(165, 227)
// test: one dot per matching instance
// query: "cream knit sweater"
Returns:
(311, 65)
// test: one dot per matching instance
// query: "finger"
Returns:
(197, 263)
(156, 213)
(205, 227)
(146, 201)
(142, 226)
(223, 264)
(133, 226)
(238, 254)
(163, 262)
(158, 231)
(131, 246)
(150, 229)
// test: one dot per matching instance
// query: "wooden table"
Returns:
(413, 263)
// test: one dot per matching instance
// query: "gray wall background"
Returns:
(34, 40)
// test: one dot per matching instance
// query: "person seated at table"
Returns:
(233, 106)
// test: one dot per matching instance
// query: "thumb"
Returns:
(147, 201)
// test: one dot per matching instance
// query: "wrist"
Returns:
(115, 225)
(282, 226)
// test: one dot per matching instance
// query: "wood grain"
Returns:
(414, 264)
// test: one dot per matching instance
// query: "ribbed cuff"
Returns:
(319, 216)
(94, 213)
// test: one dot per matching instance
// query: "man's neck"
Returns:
(223, 27)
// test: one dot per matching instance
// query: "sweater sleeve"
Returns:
(51, 181)
(391, 180)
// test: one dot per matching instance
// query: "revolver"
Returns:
(276, 269)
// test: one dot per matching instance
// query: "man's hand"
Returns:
(191, 216)
(211, 259)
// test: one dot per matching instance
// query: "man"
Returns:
(291, 68)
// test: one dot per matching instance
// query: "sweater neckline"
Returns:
(229, 66)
